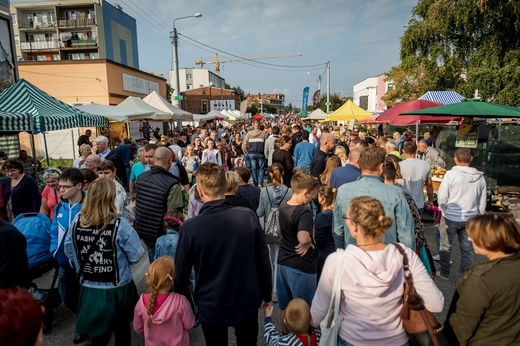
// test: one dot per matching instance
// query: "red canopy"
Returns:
(257, 116)
(392, 116)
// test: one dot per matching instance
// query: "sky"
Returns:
(360, 38)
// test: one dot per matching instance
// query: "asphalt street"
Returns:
(64, 321)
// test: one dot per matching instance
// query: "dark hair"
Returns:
(305, 135)
(410, 147)
(22, 317)
(149, 147)
(371, 158)
(327, 192)
(463, 155)
(74, 175)
(173, 219)
(14, 163)
(107, 164)
(88, 175)
(275, 130)
(282, 140)
(391, 169)
(243, 173)
(276, 170)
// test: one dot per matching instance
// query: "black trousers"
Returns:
(245, 326)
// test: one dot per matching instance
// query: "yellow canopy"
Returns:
(348, 111)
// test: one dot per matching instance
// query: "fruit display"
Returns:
(438, 172)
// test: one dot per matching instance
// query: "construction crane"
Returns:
(218, 62)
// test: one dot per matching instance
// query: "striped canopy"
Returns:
(48, 113)
(446, 97)
(15, 121)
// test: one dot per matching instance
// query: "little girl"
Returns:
(323, 228)
(166, 245)
(163, 317)
(210, 154)
(191, 162)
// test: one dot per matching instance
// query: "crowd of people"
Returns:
(236, 219)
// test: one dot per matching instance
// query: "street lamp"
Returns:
(175, 55)
(319, 79)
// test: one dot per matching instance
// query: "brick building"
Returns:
(202, 100)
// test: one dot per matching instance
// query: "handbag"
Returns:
(273, 232)
(330, 325)
(420, 325)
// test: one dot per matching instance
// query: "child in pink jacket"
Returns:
(163, 317)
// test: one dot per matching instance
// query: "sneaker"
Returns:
(439, 275)
(438, 258)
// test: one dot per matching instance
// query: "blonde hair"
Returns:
(332, 163)
(298, 316)
(84, 147)
(232, 179)
(301, 181)
(341, 153)
(369, 214)
(159, 277)
(495, 232)
(211, 179)
(99, 207)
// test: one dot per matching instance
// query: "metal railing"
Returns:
(38, 25)
(40, 45)
(79, 43)
(74, 23)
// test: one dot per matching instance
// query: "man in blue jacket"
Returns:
(226, 246)
(71, 188)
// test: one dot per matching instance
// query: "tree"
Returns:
(335, 100)
(463, 45)
(238, 90)
(169, 91)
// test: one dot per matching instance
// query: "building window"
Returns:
(41, 58)
(188, 76)
(55, 57)
(51, 17)
(204, 106)
(17, 40)
(76, 56)
(14, 18)
(93, 56)
(189, 86)
(91, 14)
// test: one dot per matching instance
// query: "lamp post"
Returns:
(319, 79)
(176, 58)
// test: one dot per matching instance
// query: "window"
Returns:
(188, 76)
(91, 14)
(41, 58)
(14, 18)
(17, 40)
(55, 57)
(189, 86)
(204, 105)
(51, 17)
(93, 55)
(76, 56)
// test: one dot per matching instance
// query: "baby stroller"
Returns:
(36, 229)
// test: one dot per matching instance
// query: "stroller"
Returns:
(36, 229)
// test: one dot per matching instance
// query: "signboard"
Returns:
(220, 105)
(467, 135)
(177, 97)
(139, 85)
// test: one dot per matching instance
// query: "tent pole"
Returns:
(33, 152)
(73, 152)
(46, 149)
(417, 131)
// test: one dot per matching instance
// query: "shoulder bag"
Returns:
(420, 325)
(330, 325)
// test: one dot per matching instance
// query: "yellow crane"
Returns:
(218, 62)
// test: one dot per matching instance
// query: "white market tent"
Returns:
(136, 103)
(318, 114)
(159, 102)
(211, 115)
(119, 114)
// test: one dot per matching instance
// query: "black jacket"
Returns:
(120, 167)
(227, 247)
(152, 189)
(14, 266)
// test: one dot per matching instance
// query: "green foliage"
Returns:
(463, 45)
(169, 91)
(59, 163)
(335, 100)
(271, 109)
(239, 91)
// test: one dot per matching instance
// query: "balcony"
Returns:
(46, 45)
(76, 23)
(30, 25)
(79, 44)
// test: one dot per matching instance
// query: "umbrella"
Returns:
(392, 117)
(471, 107)
(257, 116)
(370, 120)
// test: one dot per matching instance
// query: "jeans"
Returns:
(274, 249)
(448, 229)
(151, 252)
(245, 325)
(257, 168)
(292, 283)
(68, 286)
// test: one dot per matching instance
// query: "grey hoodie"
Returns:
(462, 194)
(277, 194)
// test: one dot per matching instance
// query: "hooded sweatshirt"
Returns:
(372, 286)
(462, 194)
(277, 194)
(169, 325)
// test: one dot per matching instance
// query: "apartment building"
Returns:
(277, 100)
(74, 30)
(368, 93)
(194, 78)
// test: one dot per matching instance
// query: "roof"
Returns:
(446, 97)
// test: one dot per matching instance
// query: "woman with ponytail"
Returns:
(162, 316)
(323, 225)
(372, 282)
(271, 197)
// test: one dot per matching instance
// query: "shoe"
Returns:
(79, 339)
(275, 298)
(260, 186)
(438, 258)
(439, 275)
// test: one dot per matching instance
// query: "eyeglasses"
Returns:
(66, 187)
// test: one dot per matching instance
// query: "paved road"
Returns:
(64, 320)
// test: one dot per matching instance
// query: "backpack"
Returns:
(273, 233)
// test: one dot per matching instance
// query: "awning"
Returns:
(48, 113)
(137, 103)
(471, 108)
(157, 101)
(446, 97)
(115, 113)
(15, 121)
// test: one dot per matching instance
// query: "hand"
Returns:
(132, 196)
(268, 310)
(302, 249)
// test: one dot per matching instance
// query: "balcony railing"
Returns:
(46, 45)
(38, 25)
(79, 44)
(74, 23)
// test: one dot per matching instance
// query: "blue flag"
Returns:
(305, 100)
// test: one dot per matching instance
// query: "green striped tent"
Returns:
(48, 113)
(14, 122)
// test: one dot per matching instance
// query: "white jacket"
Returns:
(462, 194)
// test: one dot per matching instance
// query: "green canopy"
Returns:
(14, 122)
(472, 108)
(48, 113)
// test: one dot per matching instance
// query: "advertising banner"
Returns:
(305, 100)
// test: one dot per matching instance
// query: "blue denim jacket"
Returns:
(166, 245)
(394, 203)
(129, 251)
